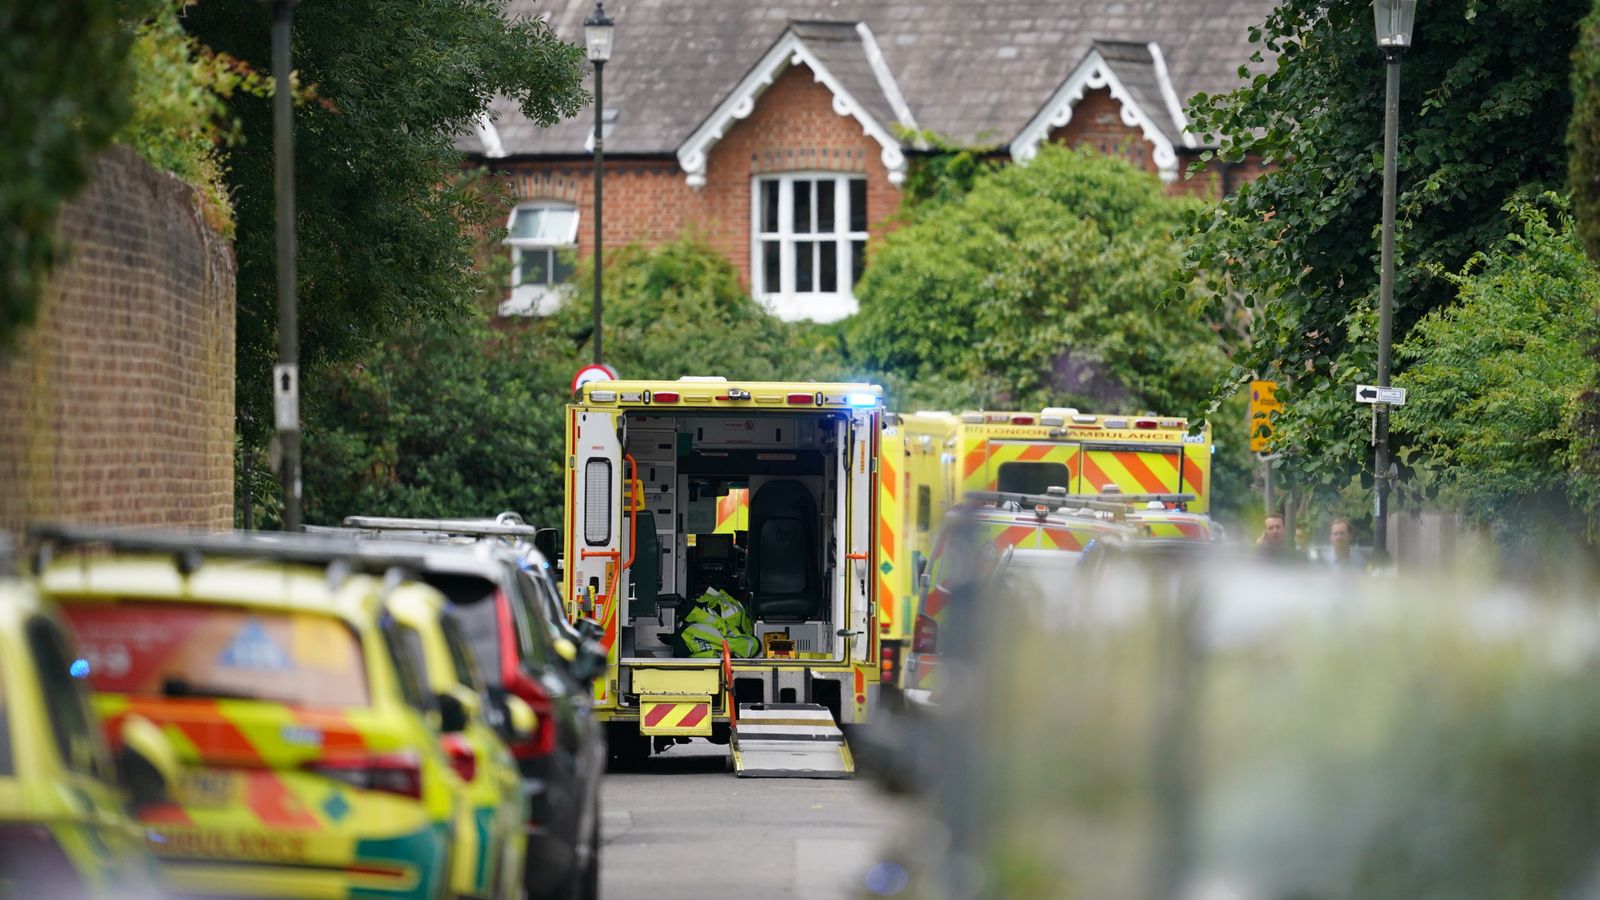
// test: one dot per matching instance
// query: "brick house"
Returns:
(781, 131)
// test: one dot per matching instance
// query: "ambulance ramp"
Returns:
(789, 740)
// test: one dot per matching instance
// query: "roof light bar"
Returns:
(1144, 423)
(602, 396)
(1088, 420)
(664, 397)
(972, 418)
(1054, 421)
(1022, 420)
(861, 401)
(802, 399)
(1116, 423)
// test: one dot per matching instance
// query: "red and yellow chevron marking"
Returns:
(733, 511)
(1133, 472)
(981, 467)
(891, 514)
(676, 716)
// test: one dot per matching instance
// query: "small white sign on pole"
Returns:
(286, 397)
(1371, 393)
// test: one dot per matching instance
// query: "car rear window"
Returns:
(473, 608)
(195, 650)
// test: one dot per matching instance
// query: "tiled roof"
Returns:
(971, 71)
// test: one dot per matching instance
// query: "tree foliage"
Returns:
(445, 419)
(1042, 286)
(1583, 133)
(467, 420)
(180, 121)
(1494, 378)
(62, 96)
(1484, 103)
(385, 221)
(677, 309)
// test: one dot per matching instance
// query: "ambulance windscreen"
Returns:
(220, 652)
(1032, 477)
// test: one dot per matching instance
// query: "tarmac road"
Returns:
(684, 826)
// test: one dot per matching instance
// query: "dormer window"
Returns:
(543, 236)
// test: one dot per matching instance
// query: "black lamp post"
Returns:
(597, 30)
(286, 374)
(1394, 20)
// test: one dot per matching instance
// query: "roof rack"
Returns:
(497, 527)
(1114, 503)
(191, 547)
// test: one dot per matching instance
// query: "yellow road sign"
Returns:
(1263, 403)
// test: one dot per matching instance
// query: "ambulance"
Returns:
(917, 485)
(931, 460)
(1029, 453)
(654, 526)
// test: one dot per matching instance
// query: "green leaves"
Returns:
(63, 94)
(1484, 101)
(386, 221)
(1494, 379)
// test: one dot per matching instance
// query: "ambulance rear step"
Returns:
(789, 740)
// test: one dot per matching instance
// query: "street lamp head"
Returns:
(1394, 20)
(597, 31)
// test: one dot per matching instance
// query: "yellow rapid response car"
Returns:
(310, 759)
(490, 843)
(63, 829)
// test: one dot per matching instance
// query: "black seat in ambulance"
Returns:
(784, 576)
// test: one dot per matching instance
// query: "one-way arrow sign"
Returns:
(1371, 393)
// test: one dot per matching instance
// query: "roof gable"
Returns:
(973, 73)
(1137, 77)
(844, 58)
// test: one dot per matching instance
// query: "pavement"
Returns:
(684, 826)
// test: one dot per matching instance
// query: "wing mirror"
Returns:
(457, 706)
(548, 542)
(590, 629)
(521, 720)
(586, 663)
(147, 764)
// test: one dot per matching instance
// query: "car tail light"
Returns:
(802, 399)
(34, 865)
(387, 773)
(886, 664)
(925, 637)
(463, 759)
(522, 685)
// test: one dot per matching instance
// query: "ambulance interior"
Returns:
(782, 567)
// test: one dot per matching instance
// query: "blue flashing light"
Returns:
(79, 668)
(861, 400)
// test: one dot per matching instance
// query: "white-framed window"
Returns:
(809, 243)
(538, 232)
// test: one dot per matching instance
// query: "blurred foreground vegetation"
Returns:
(1226, 732)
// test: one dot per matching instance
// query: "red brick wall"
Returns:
(1097, 122)
(792, 129)
(117, 405)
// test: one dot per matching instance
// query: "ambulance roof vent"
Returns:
(702, 378)
(1059, 411)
